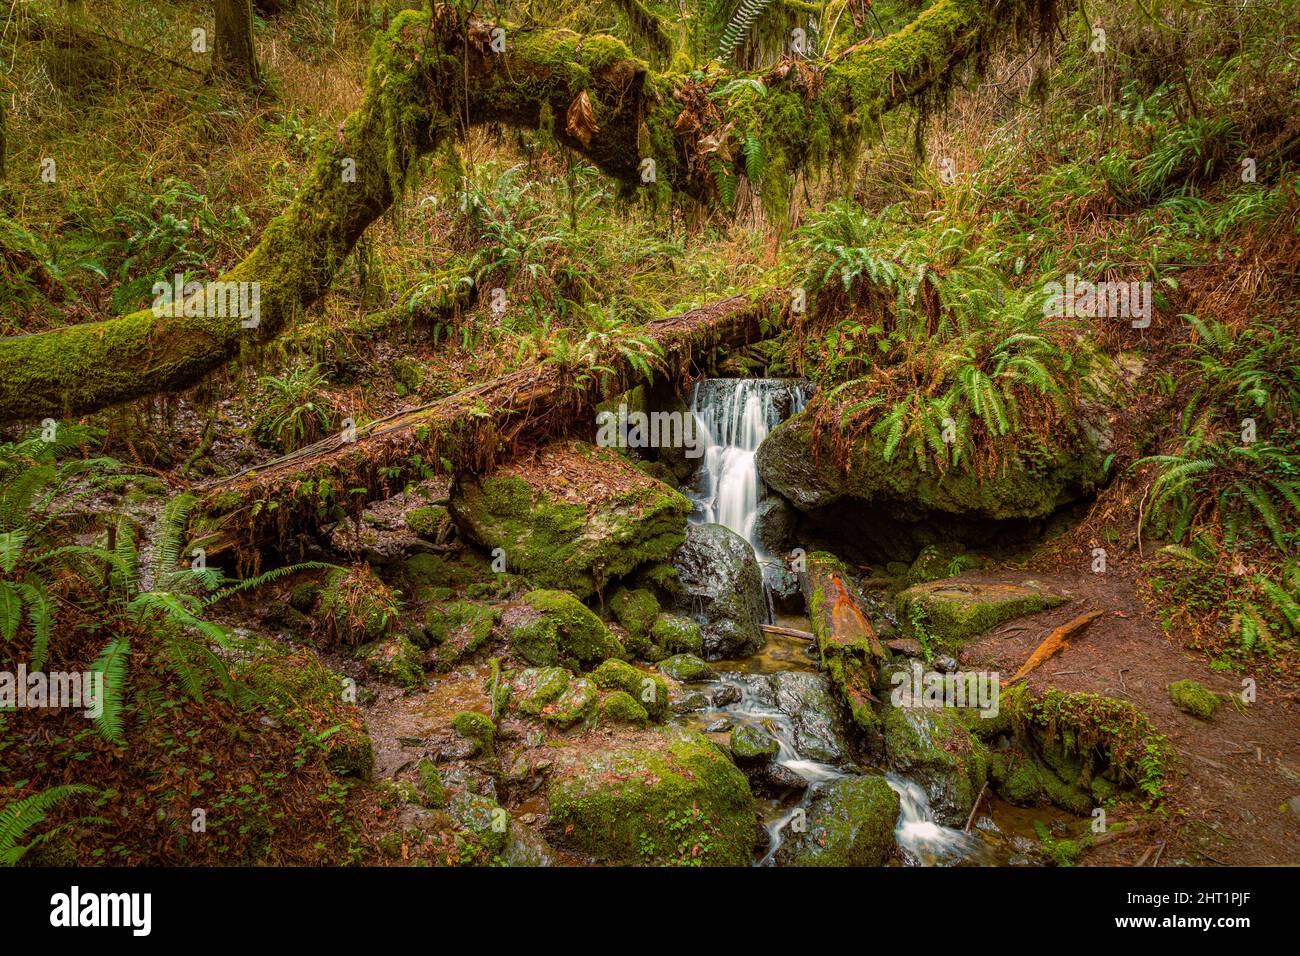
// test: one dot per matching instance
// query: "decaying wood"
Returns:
(971, 819)
(1053, 643)
(848, 643)
(468, 431)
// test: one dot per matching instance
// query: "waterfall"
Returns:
(920, 836)
(736, 414)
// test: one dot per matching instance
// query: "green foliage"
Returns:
(294, 411)
(20, 817)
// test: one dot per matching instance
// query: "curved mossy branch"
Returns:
(432, 73)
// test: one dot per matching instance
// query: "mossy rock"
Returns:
(649, 690)
(554, 627)
(751, 743)
(458, 629)
(471, 725)
(666, 797)
(302, 690)
(532, 689)
(619, 707)
(849, 822)
(686, 667)
(949, 613)
(1192, 697)
(636, 610)
(425, 570)
(575, 545)
(432, 790)
(674, 634)
(483, 818)
(938, 561)
(935, 748)
(432, 523)
(396, 659)
(1017, 778)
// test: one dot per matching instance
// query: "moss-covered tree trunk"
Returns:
(435, 71)
(233, 56)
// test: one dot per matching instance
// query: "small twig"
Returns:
(971, 819)
(1143, 858)
(1156, 861)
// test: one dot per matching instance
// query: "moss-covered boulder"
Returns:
(849, 822)
(1192, 697)
(636, 609)
(553, 694)
(894, 508)
(456, 631)
(396, 659)
(686, 667)
(649, 690)
(483, 818)
(475, 727)
(303, 691)
(575, 517)
(945, 614)
(619, 707)
(354, 606)
(554, 627)
(659, 797)
(723, 590)
(752, 743)
(935, 748)
(674, 634)
(432, 523)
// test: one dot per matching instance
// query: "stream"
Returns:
(781, 688)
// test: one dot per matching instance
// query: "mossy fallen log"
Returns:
(436, 71)
(468, 431)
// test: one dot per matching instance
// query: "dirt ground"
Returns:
(1227, 803)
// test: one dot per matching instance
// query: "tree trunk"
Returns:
(233, 56)
(434, 72)
(468, 431)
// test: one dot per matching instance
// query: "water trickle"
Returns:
(922, 839)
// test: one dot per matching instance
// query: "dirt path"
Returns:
(1228, 802)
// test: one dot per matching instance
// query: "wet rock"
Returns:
(934, 748)
(686, 667)
(849, 822)
(723, 590)
(724, 696)
(780, 777)
(616, 804)
(751, 744)
(691, 702)
(946, 664)
(953, 612)
(774, 522)
(906, 646)
(674, 634)
(554, 627)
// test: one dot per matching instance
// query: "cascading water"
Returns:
(735, 415)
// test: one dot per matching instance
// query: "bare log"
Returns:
(787, 632)
(1055, 642)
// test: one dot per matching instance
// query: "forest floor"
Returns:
(1228, 802)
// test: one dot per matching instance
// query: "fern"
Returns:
(18, 818)
(738, 27)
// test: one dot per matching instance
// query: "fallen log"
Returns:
(1056, 641)
(787, 631)
(468, 431)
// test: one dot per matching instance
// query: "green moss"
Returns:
(619, 707)
(751, 743)
(674, 800)
(396, 659)
(431, 523)
(432, 789)
(472, 725)
(458, 629)
(635, 610)
(850, 822)
(1194, 698)
(686, 667)
(674, 634)
(935, 747)
(561, 629)
(947, 614)
(648, 689)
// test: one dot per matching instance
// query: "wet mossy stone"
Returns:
(935, 748)
(636, 610)
(578, 704)
(950, 613)
(850, 822)
(686, 667)
(471, 725)
(458, 629)
(297, 687)
(1192, 697)
(649, 690)
(619, 707)
(533, 688)
(432, 523)
(577, 541)
(751, 743)
(483, 818)
(674, 634)
(554, 627)
(434, 571)
(1016, 778)
(432, 790)
(723, 590)
(396, 659)
(661, 797)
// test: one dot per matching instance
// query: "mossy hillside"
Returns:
(671, 798)
(850, 822)
(554, 627)
(309, 695)
(575, 545)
